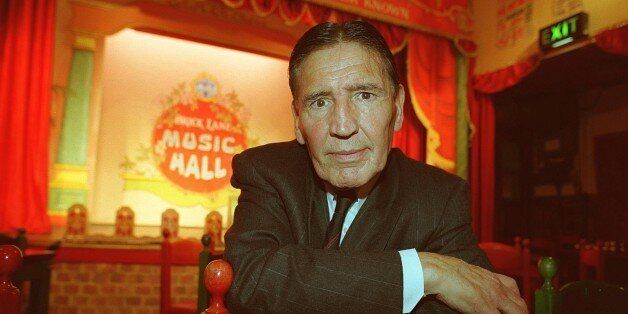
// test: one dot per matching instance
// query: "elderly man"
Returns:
(337, 221)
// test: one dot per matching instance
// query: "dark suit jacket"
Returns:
(275, 243)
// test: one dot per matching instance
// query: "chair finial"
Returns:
(547, 268)
(546, 298)
(206, 240)
(218, 279)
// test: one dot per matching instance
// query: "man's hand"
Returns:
(469, 288)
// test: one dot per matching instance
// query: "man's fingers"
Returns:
(510, 306)
(511, 302)
(471, 289)
(508, 282)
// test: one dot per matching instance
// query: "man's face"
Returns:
(346, 111)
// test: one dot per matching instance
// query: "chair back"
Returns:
(509, 259)
(178, 252)
(513, 261)
(10, 262)
(503, 256)
(591, 257)
(593, 297)
(579, 296)
(20, 240)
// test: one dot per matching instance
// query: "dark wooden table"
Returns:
(36, 269)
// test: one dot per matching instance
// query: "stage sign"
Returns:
(563, 32)
(194, 142)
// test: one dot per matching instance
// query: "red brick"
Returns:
(89, 267)
(156, 279)
(151, 301)
(107, 267)
(179, 290)
(128, 268)
(61, 300)
(191, 290)
(81, 277)
(124, 290)
(80, 300)
(142, 290)
(188, 278)
(117, 277)
(100, 276)
(133, 301)
(55, 286)
(107, 288)
(90, 289)
(115, 301)
(88, 310)
(140, 278)
(63, 276)
(71, 288)
(98, 301)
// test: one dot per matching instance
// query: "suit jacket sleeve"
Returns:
(273, 273)
(454, 236)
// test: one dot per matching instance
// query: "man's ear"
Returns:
(297, 129)
(399, 101)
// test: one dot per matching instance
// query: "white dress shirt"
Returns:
(413, 285)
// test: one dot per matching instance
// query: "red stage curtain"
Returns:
(499, 80)
(318, 14)
(431, 74)
(411, 137)
(482, 160)
(614, 40)
(26, 39)
(395, 36)
(482, 165)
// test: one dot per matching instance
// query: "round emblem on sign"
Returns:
(205, 89)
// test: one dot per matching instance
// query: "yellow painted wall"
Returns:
(491, 57)
(139, 69)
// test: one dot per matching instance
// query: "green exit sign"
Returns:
(563, 32)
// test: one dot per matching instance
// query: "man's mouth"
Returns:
(349, 155)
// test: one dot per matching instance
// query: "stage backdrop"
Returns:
(174, 113)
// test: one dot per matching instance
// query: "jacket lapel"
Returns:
(318, 217)
(378, 216)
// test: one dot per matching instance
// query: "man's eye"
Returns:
(362, 96)
(319, 103)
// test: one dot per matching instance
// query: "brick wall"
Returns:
(116, 288)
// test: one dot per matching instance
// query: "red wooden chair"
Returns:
(578, 296)
(10, 262)
(179, 252)
(591, 257)
(513, 261)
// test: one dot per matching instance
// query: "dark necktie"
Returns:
(334, 229)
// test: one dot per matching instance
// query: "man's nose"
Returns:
(343, 120)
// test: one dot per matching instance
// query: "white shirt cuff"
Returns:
(413, 285)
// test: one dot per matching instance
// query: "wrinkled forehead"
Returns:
(341, 65)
